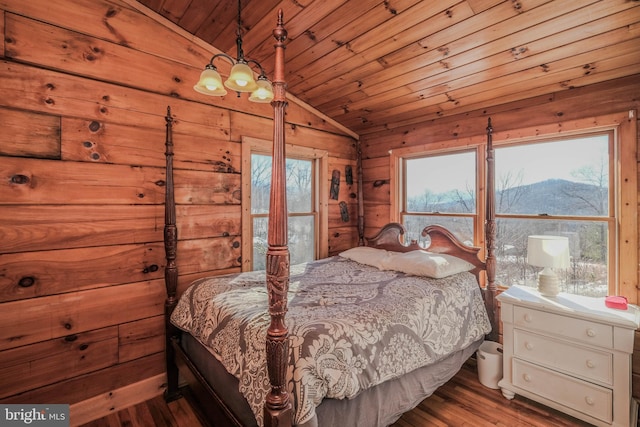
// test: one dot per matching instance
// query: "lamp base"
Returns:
(548, 283)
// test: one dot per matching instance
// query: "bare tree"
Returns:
(260, 183)
(597, 176)
(595, 198)
(299, 176)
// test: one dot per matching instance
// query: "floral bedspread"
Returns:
(351, 327)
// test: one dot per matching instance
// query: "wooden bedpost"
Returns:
(490, 236)
(360, 195)
(171, 269)
(277, 409)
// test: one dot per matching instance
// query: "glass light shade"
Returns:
(241, 78)
(264, 93)
(210, 83)
(548, 251)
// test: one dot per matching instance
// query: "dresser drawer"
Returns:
(590, 333)
(589, 363)
(571, 392)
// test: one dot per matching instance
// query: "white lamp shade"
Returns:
(210, 83)
(241, 78)
(548, 251)
(264, 93)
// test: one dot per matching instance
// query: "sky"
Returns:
(538, 162)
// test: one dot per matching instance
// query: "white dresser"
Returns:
(571, 353)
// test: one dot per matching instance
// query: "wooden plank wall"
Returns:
(85, 87)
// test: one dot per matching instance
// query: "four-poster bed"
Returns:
(332, 368)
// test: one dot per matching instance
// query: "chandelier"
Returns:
(240, 78)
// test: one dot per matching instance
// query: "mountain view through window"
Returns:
(560, 187)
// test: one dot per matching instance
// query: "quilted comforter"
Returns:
(351, 327)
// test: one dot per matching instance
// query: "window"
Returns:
(440, 188)
(569, 185)
(560, 187)
(305, 169)
(300, 205)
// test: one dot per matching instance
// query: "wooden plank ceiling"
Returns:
(373, 65)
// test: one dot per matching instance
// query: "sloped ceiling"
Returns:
(372, 65)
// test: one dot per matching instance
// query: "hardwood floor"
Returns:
(463, 401)
(154, 412)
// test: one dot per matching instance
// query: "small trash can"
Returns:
(489, 357)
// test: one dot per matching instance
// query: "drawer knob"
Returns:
(591, 333)
(590, 401)
(527, 377)
(590, 364)
(527, 317)
(528, 346)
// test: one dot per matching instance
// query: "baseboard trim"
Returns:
(104, 404)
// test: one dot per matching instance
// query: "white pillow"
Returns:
(423, 263)
(367, 255)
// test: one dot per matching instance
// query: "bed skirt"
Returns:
(378, 406)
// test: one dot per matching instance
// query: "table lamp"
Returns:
(549, 252)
